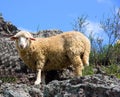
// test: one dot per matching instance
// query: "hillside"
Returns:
(16, 80)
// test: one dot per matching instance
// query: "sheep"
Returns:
(53, 53)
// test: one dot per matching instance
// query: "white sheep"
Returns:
(53, 53)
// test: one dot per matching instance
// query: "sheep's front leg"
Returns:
(38, 80)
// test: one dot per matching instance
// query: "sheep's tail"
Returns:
(86, 55)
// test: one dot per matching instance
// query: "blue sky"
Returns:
(36, 15)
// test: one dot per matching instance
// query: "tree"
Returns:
(80, 23)
(110, 27)
(102, 54)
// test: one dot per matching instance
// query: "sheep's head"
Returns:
(23, 39)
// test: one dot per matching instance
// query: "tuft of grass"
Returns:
(8, 79)
(88, 70)
(112, 69)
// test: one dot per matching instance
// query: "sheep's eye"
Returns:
(26, 38)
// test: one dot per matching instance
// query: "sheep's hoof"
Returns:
(37, 82)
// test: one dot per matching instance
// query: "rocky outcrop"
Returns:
(9, 59)
(6, 27)
(8, 55)
(88, 86)
(47, 33)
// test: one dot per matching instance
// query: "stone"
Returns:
(97, 85)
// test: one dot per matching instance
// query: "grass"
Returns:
(8, 79)
(112, 69)
(88, 70)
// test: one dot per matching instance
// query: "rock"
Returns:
(0, 82)
(6, 27)
(20, 90)
(47, 33)
(89, 86)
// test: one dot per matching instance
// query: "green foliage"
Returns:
(112, 69)
(102, 55)
(88, 70)
(8, 79)
(116, 54)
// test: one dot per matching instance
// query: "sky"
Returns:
(34, 15)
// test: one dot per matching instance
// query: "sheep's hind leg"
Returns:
(43, 78)
(38, 80)
(77, 64)
(85, 59)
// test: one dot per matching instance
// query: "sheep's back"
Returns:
(62, 45)
(75, 42)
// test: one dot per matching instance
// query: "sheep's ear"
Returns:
(32, 39)
(13, 38)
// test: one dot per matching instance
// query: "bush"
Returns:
(112, 69)
(88, 70)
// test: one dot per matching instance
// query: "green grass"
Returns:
(8, 79)
(112, 70)
(109, 70)
(88, 70)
